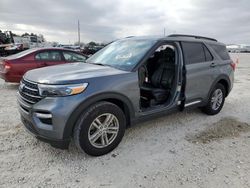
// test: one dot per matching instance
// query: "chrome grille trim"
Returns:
(24, 99)
(38, 97)
(31, 88)
(24, 110)
(29, 92)
(21, 102)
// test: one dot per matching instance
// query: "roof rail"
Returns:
(129, 36)
(192, 36)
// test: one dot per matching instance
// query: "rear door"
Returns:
(49, 57)
(200, 71)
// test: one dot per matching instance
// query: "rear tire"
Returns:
(100, 128)
(216, 100)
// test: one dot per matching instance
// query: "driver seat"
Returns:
(162, 78)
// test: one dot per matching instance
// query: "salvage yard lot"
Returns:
(187, 149)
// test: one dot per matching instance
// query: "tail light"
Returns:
(5, 66)
(233, 65)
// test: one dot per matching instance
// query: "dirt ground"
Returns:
(187, 149)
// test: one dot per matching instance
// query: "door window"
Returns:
(49, 56)
(73, 57)
(42, 56)
(193, 52)
(55, 56)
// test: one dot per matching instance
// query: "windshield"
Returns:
(122, 54)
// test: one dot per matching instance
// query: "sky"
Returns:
(107, 20)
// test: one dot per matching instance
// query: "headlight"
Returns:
(61, 90)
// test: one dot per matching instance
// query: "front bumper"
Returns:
(62, 144)
(50, 130)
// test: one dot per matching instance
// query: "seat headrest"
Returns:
(169, 52)
(167, 56)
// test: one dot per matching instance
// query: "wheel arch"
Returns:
(225, 84)
(120, 100)
(224, 80)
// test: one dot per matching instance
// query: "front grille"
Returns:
(29, 92)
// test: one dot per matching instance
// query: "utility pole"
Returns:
(79, 40)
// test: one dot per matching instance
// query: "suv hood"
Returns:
(69, 73)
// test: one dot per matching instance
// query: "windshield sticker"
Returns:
(126, 56)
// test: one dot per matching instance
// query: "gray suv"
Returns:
(129, 80)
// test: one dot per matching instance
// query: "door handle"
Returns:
(213, 65)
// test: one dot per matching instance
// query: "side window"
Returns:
(71, 56)
(42, 56)
(193, 52)
(208, 55)
(49, 56)
(221, 51)
(55, 56)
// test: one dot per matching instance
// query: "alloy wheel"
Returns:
(103, 130)
(217, 99)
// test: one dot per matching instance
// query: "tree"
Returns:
(25, 34)
(92, 43)
(42, 37)
(14, 34)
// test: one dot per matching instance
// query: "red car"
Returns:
(12, 68)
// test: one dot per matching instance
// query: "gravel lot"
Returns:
(187, 149)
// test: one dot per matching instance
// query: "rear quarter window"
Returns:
(208, 54)
(221, 51)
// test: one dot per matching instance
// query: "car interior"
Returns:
(156, 77)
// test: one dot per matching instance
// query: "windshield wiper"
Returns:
(102, 64)
(91, 62)
(99, 64)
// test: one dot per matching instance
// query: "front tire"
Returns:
(216, 100)
(100, 128)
